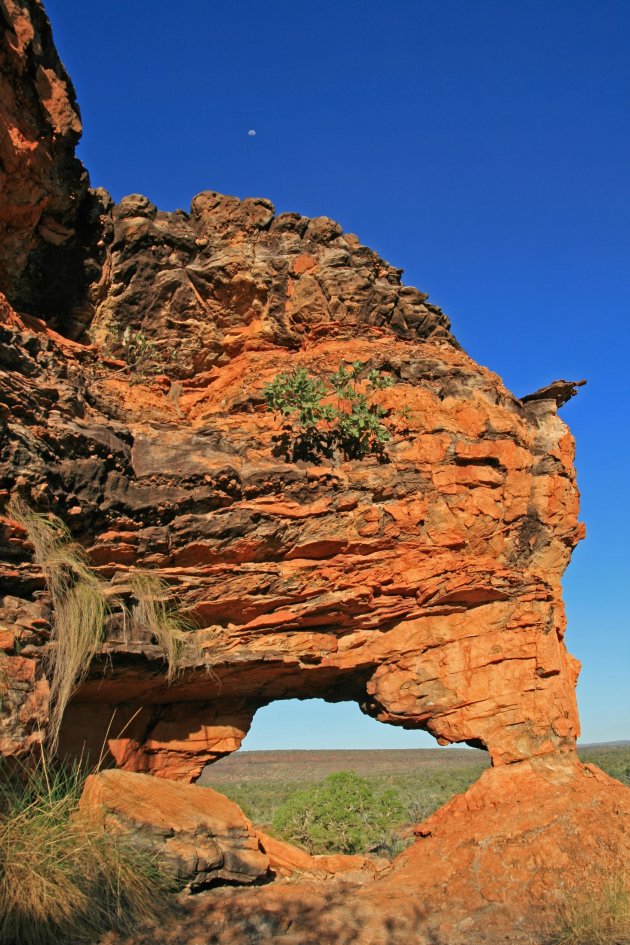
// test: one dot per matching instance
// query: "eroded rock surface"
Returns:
(199, 836)
(46, 211)
(426, 587)
(231, 277)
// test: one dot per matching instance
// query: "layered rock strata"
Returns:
(425, 586)
(424, 583)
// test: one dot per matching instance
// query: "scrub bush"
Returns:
(332, 415)
(344, 814)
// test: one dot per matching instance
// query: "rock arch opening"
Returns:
(425, 587)
(327, 778)
(315, 724)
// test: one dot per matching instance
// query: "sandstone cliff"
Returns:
(423, 582)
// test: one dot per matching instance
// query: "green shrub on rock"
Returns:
(330, 416)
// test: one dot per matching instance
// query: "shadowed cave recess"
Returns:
(421, 581)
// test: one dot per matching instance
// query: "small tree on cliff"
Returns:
(328, 416)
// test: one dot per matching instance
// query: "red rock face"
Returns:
(43, 187)
(425, 584)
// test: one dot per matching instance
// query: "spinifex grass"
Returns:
(79, 602)
(597, 914)
(63, 878)
(156, 611)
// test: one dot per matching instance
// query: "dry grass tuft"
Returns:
(156, 611)
(596, 916)
(80, 607)
(63, 877)
(79, 602)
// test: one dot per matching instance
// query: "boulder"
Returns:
(198, 836)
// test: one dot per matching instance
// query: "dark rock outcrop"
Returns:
(45, 209)
(231, 277)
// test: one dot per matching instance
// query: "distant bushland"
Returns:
(433, 776)
(297, 810)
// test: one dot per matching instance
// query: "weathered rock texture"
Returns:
(424, 584)
(496, 865)
(46, 210)
(199, 836)
(426, 587)
(231, 277)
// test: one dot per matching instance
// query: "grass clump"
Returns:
(597, 916)
(157, 612)
(63, 878)
(79, 601)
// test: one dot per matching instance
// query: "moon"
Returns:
(251, 133)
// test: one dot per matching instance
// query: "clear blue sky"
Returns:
(483, 146)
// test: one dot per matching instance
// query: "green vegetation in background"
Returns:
(614, 761)
(272, 804)
(409, 800)
(63, 877)
(345, 814)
